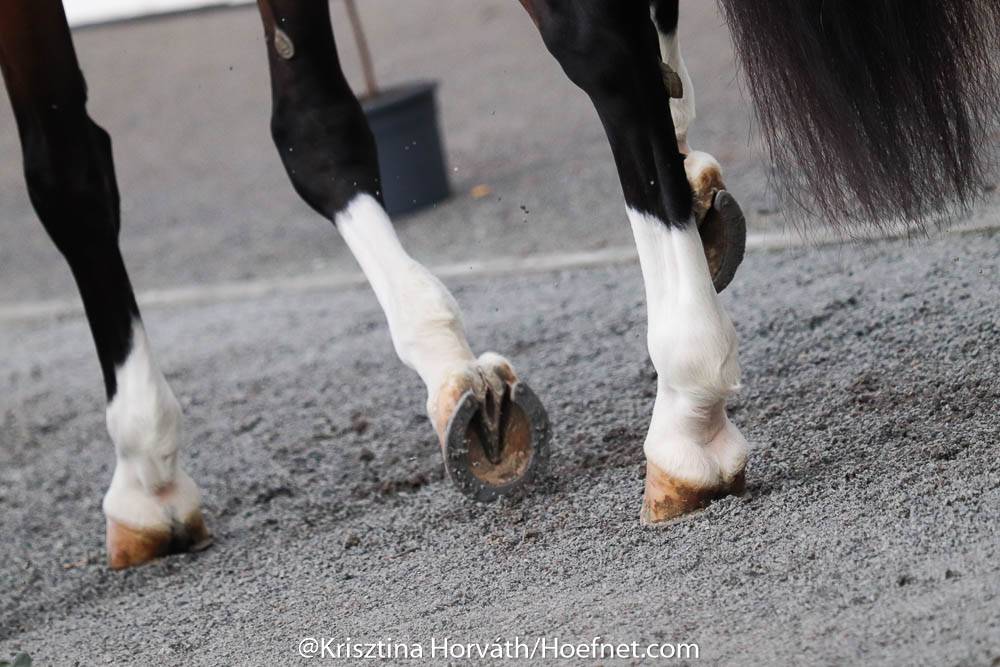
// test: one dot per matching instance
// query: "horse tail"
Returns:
(874, 111)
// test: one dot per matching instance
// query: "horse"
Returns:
(874, 111)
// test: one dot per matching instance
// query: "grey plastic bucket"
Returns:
(404, 121)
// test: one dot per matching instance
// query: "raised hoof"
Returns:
(667, 498)
(724, 235)
(495, 448)
(128, 547)
(673, 82)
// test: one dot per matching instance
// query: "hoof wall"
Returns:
(128, 547)
(521, 450)
(667, 498)
(724, 235)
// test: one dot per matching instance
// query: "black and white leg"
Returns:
(720, 220)
(152, 506)
(492, 429)
(694, 453)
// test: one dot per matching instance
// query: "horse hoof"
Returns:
(724, 235)
(667, 498)
(128, 546)
(496, 448)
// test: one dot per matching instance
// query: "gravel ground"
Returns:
(870, 530)
(869, 534)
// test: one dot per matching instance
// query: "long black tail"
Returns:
(875, 111)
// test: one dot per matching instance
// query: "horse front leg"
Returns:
(492, 430)
(152, 506)
(693, 452)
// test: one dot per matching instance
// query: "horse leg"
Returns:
(720, 221)
(329, 153)
(152, 506)
(666, 17)
(704, 172)
(693, 452)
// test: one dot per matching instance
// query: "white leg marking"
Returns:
(692, 344)
(424, 319)
(704, 174)
(682, 110)
(148, 489)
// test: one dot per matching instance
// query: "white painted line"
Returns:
(90, 12)
(325, 281)
(330, 280)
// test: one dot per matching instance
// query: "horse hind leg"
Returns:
(693, 452)
(152, 506)
(492, 430)
(720, 220)
(666, 17)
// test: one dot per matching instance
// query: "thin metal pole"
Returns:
(367, 69)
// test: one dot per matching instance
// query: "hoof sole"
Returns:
(667, 498)
(724, 235)
(128, 546)
(524, 450)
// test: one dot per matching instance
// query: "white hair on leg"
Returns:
(424, 320)
(148, 490)
(703, 171)
(692, 344)
(682, 110)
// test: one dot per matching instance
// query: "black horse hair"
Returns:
(875, 112)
